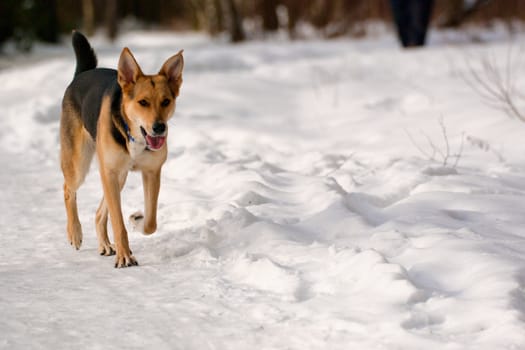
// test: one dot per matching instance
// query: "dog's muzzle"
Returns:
(154, 143)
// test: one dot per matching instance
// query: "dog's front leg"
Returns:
(111, 181)
(147, 223)
(151, 183)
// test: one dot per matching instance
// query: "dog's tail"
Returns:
(86, 58)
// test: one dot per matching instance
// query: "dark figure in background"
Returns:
(412, 18)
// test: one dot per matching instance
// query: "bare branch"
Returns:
(460, 151)
(484, 146)
(445, 154)
(495, 86)
(419, 148)
(445, 137)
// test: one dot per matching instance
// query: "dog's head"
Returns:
(149, 100)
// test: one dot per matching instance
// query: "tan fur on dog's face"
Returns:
(149, 99)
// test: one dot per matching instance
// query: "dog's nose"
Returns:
(159, 128)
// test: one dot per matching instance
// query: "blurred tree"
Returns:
(346, 14)
(112, 19)
(293, 9)
(24, 21)
(268, 9)
(207, 15)
(215, 15)
(321, 12)
(88, 17)
(198, 18)
(7, 24)
(457, 11)
(45, 21)
(235, 18)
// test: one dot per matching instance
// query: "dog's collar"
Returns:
(130, 137)
(126, 128)
(128, 133)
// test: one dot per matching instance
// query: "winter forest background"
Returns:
(29, 20)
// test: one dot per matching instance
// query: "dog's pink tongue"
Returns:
(155, 142)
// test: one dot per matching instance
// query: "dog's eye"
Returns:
(165, 102)
(144, 103)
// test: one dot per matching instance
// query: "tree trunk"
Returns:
(88, 17)
(322, 13)
(269, 15)
(293, 8)
(214, 16)
(236, 28)
(45, 20)
(112, 19)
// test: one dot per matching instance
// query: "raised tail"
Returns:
(86, 58)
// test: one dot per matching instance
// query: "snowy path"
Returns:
(295, 213)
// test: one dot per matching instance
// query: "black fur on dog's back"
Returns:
(87, 91)
(88, 88)
(85, 55)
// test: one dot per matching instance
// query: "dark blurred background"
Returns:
(27, 21)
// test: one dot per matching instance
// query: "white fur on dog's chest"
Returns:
(136, 149)
(142, 158)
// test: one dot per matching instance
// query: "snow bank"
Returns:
(295, 211)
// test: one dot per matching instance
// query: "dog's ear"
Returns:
(128, 69)
(172, 69)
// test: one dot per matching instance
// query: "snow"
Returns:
(295, 211)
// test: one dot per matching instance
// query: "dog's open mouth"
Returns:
(153, 143)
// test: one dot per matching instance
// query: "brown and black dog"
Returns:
(121, 115)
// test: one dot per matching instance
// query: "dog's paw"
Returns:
(76, 242)
(125, 261)
(137, 221)
(74, 237)
(106, 249)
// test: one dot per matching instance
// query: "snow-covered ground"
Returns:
(296, 210)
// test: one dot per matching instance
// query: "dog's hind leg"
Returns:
(76, 152)
(101, 223)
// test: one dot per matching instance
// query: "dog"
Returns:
(121, 115)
